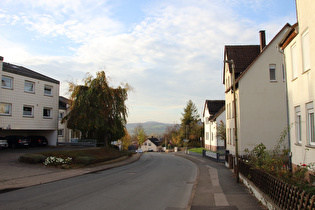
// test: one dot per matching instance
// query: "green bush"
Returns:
(32, 158)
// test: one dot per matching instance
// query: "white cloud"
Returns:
(174, 54)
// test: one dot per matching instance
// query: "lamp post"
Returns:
(235, 121)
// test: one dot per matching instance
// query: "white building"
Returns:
(28, 103)
(299, 50)
(214, 115)
(260, 94)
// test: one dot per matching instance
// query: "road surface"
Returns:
(156, 181)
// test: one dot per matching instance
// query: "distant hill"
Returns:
(150, 127)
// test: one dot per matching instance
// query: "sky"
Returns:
(168, 51)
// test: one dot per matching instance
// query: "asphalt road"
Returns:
(156, 181)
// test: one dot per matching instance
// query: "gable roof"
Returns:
(242, 55)
(155, 141)
(213, 107)
(270, 44)
(20, 70)
(245, 52)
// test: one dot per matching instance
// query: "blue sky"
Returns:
(169, 51)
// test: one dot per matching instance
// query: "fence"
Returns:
(284, 195)
(219, 157)
(79, 142)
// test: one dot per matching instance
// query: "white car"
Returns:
(3, 143)
(139, 151)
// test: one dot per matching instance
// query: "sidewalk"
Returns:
(216, 188)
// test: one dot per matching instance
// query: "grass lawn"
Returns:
(197, 150)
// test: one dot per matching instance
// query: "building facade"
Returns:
(213, 115)
(299, 51)
(28, 103)
(260, 94)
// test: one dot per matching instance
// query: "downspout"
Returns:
(287, 106)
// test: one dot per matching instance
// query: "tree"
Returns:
(221, 134)
(97, 109)
(191, 126)
(126, 140)
(139, 134)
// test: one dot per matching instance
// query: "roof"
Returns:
(155, 141)
(289, 36)
(242, 55)
(245, 55)
(63, 102)
(20, 70)
(214, 106)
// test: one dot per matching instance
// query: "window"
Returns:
(48, 90)
(7, 82)
(60, 132)
(298, 125)
(60, 115)
(28, 111)
(29, 87)
(272, 72)
(306, 52)
(310, 123)
(47, 112)
(5, 109)
(294, 60)
(207, 135)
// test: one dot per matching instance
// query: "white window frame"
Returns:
(3, 83)
(298, 126)
(3, 108)
(294, 60)
(306, 59)
(49, 111)
(310, 123)
(27, 89)
(48, 93)
(32, 111)
(272, 73)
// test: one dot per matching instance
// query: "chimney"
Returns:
(262, 40)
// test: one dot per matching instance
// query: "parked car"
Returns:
(150, 150)
(3, 143)
(15, 141)
(37, 141)
(139, 151)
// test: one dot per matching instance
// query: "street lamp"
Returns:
(235, 122)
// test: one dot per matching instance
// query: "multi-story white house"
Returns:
(299, 50)
(28, 103)
(64, 133)
(214, 115)
(260, 94)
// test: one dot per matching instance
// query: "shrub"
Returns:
(32, 158)
(84, 160)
